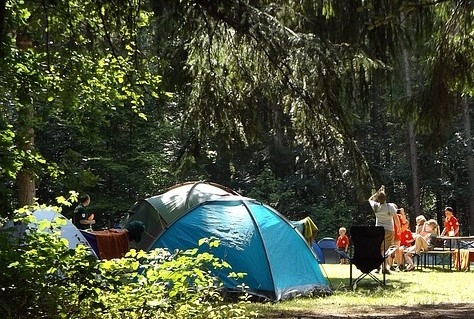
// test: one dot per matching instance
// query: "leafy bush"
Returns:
(42, 278)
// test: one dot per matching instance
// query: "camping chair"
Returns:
(366, 257)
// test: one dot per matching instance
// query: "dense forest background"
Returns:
(305, 105)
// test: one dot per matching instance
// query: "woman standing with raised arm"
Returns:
(385, 216)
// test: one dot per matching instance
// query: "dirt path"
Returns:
(441, 311)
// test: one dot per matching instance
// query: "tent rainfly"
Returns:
(158, 211)
(254, 239)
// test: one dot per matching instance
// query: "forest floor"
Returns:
(440, 311)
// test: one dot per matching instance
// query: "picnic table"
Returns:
(459, 256)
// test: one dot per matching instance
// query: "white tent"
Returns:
(68, 230)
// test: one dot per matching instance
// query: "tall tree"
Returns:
(413, 150)
(273, 73)
(73, 61)
(469, 159)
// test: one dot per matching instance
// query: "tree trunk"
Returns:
(413, 154)
(26, 187)
(470, 161)
(3, 9)
(26, 177)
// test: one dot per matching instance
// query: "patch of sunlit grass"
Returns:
(402, 289)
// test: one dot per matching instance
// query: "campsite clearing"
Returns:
(416, 294)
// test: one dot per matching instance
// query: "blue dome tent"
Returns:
(319, 253)
(328, 248)
(254, 239)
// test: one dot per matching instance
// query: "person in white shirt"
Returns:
(385, 216)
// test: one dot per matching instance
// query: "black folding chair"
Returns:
(366, 241)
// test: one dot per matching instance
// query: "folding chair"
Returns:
(366, 241)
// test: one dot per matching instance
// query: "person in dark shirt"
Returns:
(82, 219)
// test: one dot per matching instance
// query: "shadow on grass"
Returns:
(368, 287)
(392, 282)
(367, 283)
(439, 311)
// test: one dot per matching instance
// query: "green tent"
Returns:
(158, 211)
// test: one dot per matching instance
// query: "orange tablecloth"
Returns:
(463, 262)
(112, 243)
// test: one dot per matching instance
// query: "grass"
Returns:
(402, 291)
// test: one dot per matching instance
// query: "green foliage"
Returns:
(41, 277)
(298, 197)
(300, 104)
(11, 162)
(73, 64)
(268, 189)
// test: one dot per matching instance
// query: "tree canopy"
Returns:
(306, 105)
